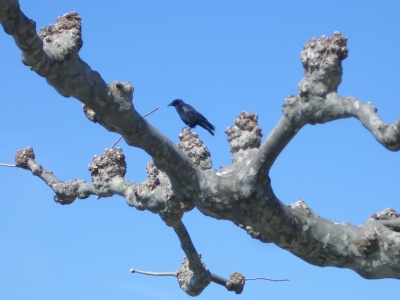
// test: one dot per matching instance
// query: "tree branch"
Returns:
(268, 279)
(180, 177)
(66, 192)
(116, 142)
(7, 165)
(193, 276)
(53, 54)
(107, 171)
(243, 194)
(174, 274)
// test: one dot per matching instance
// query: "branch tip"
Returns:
(173, 274)
(263, 278)
(7, 165)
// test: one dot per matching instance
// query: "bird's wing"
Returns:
(200, 120)
(192, 113)
(192, 117)
(189, 115)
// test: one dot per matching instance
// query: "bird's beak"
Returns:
(170, 104)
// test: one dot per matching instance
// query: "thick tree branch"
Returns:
(53, 54)
(179, 180)
(243, 194)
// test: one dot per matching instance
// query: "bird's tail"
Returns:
(208, 126)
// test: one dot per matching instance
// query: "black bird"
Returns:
(191, 117)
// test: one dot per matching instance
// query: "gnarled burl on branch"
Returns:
(180, 178)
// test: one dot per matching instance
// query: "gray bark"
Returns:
(180, 178)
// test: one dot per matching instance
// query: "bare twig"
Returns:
(7, 165)
(174, 274)
(116, 142)
(263, 278)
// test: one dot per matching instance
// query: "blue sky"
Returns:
(222, 57)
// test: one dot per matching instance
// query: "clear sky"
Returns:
(222, 57)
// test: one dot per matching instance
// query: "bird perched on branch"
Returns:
(191, 117)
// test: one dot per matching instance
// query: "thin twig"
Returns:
(174, 274)
(149, 113)
(263, 278)
(116, 142)
(7, 165)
